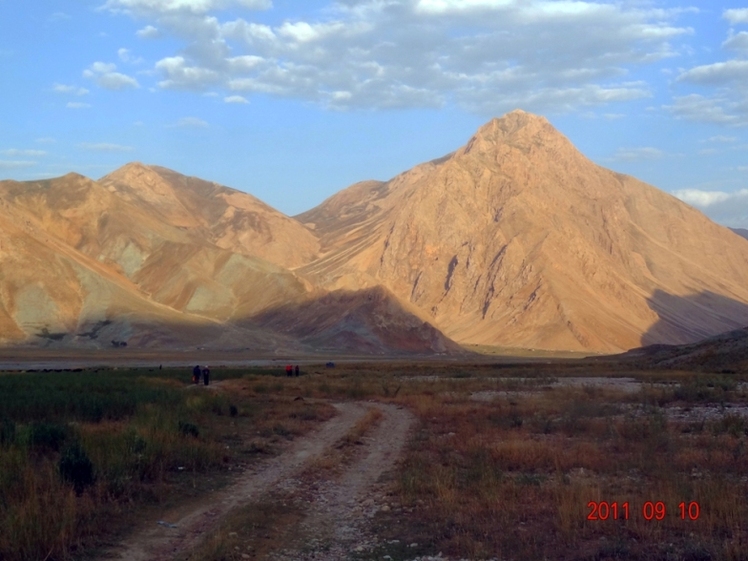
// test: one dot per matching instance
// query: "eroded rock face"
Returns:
(225, 217)
(517, 239)
(155, 259)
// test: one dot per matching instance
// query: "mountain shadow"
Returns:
(688, 319)
(368, 321)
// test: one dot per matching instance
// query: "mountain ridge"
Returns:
(517, 195)
(515, 239)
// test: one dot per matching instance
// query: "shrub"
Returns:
(47, 435)
(76, 467)
(188, 429)
(7, 431)
(732, 424)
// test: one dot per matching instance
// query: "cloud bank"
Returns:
(720, 206)
(487, 56)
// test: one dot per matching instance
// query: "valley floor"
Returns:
(418, 460)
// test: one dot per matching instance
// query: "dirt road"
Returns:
(335, 515)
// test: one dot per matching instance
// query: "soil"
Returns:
(336, 515)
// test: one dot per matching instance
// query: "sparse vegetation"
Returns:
(504, 462)
(79, 449)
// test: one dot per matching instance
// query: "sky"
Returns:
(292, 101)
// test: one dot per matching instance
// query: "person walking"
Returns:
(297, 370)
(196, 374)
(206, 375)
(288, 370)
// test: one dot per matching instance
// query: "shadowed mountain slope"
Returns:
(88, 264)
(723, 353)
(373, 321)
(517, 239)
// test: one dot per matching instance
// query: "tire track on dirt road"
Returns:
(192, 524)
(337, 523)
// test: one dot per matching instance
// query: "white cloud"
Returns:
(74, 90)
(179, 75)
(727, 103)
(699, 198)
(739, 15)
(718, 73)
(125, 55)
(446, 6)
(13, 152)
(148, 32)
(722, 138)
(486, 55)
(190, 122)
(632, 154)
(105, 76)
(105, 147)
(235, 99)
(59, 16)
(188, 6)
(13, 164)
(77, 105)
(737, 42)
(720, 206)
(720, 109)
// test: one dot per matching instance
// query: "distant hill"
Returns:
(742, 232)
(518, 240)
(151, 258)
(514, 240)
(726, 352)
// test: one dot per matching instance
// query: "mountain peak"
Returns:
(511, 124)
(518, 129)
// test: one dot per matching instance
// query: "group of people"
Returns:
(291, 370)
(203, 372)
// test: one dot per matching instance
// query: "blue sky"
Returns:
(292, 101)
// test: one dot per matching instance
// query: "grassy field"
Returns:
(506, 461)
(82, 454)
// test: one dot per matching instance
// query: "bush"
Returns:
(233, 411)
(7, 432)
(188, 429)
(47, 435)
(732, 424)
(76, 468)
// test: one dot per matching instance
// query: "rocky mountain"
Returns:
(152, 258)
(514, 240)
(517, 239)
(227, 218)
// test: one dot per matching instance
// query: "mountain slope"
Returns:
(725, 353)
(227, 218)
(169, 265)
(517, 239)
(85, 264)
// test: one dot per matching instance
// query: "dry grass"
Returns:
(168, 440)
(370, 419)
(512, 478)
(508, 478)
